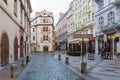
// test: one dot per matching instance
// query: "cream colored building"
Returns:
(80, 20)
(14, 30)
(42, 32)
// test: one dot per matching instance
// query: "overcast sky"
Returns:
(54, 6)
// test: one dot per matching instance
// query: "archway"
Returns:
(16, 49)
(45, 48)
(4, 49)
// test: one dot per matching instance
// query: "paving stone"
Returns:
(44, 67)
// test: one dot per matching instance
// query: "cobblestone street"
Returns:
(44, 67)
(97, 69)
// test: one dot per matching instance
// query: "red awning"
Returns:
(91, 39)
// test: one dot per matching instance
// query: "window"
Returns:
(33, 29)
(21, 13)
(5, 1)
(45, 20)
(45, 28)
(45, 38)
(101, 4)
(33, 38)
(89, 18)
(101, 22)
(15, 8)
(111, 18)
(93, 16)
(86, 20)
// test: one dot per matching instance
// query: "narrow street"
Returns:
(44, 67)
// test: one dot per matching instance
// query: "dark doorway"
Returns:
(21, 46)
(45, 48)
(4, 49)
(16, 49)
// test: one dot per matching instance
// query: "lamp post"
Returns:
(83, 64)
(83, 47)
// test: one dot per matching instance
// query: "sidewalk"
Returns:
(97, 69)
(5, 71)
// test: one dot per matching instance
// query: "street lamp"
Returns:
(82, 36)
(83, 64)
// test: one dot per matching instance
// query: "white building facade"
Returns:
(107, 29)
(42, 32)
(14, 30)
(80, 20)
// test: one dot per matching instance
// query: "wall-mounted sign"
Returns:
(83, 36)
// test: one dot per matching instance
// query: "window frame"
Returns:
(101, 22)
(15, 8)
(111, 18)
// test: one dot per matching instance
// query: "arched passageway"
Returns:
(4, 49)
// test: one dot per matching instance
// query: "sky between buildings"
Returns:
(54, 6)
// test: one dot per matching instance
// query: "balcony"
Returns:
(114, 27)
(90, 23)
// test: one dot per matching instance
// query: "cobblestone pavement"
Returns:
(97, 69)
(44, 67)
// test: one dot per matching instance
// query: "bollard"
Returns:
(59, 57)
(22, 62)
(27, 59)
(83, 67)
(11, 71)
(66, 60)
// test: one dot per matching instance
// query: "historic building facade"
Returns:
(61, 32)
(42, 32)
(14, 30)
(80, 23)
(107, 27)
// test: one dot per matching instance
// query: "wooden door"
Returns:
(21, 46)
(4, 50)
(15, 49)
(45, 48)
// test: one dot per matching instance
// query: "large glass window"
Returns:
(111, 18)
